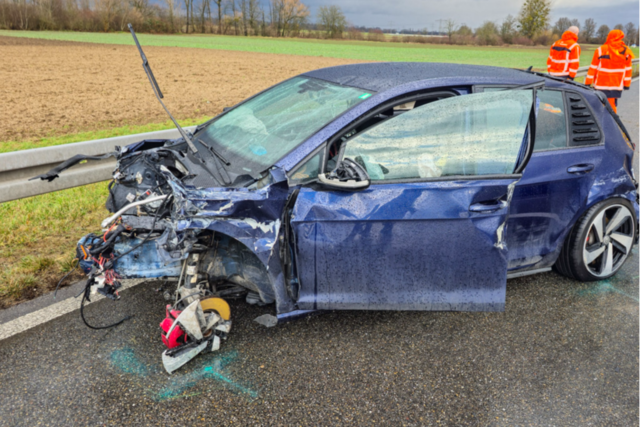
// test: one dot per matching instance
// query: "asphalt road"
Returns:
(563, 353)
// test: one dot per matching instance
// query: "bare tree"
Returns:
(630, 33)
(188, 4)
(561, 25)
(141, 6)
(588, 30)
(289, 16)
(235, 16)
(123, 9)
(171, 5)
(508, 29)
(253, 15)
(107, 10)
(219, 5)
(332, 21)
(450, 27)
(205, 7)
(244, 9)
(23, 13)
(602, 33)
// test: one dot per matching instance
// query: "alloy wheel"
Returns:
(609, 240)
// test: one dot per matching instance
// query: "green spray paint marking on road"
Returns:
(178, 384)
(604, 287)
(127, 361)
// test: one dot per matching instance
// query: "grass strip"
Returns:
(38, 238)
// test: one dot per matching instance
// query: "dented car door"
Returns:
(429, 233)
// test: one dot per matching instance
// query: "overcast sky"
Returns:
(418, 14)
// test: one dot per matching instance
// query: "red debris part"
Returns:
(177, 336)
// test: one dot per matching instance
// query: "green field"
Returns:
(516, 57)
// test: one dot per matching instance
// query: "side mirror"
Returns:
(349, 175)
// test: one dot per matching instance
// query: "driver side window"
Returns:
(477, 134)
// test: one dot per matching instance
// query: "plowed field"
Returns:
(55, 87)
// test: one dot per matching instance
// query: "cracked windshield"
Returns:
(477, 134)
(258, 133)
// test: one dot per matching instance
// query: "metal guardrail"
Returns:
(582, 71)
(17, 167)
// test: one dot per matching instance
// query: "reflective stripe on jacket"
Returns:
(609, 71)
(564, 56)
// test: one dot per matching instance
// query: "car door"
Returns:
(429, 233)
(555, 187)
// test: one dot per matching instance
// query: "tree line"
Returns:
(285, 18)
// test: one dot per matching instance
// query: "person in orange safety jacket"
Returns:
(610, 70)
(564, 55)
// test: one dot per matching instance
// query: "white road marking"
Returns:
(635, 80)
(51, 312)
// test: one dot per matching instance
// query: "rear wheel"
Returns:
(599, 243)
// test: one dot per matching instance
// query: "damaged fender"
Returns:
(246, 224)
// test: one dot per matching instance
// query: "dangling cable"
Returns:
(84, 297)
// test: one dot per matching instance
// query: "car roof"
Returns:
(382, 76)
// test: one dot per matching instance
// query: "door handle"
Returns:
(488, 207)
(579, 169)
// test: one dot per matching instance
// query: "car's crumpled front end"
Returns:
(217, 242)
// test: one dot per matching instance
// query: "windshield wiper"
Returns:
(214, 152)
(158, 92)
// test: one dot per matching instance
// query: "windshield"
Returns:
(258, 133)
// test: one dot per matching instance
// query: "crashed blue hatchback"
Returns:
(384, 186)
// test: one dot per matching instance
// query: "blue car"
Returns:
(382, 186)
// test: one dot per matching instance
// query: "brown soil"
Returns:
(54, 88)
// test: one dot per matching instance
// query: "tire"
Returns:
(599, 243)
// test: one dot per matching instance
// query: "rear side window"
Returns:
(551, 125)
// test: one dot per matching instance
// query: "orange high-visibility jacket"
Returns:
(564, 56)
(610, 70)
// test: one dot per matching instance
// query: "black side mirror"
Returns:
(349, 175)
(225, 109)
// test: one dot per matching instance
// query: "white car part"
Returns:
(108, 221)
(172, 363)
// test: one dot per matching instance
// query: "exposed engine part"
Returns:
(107, 222)
(144, 223)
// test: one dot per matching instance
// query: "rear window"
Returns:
(551, 126)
